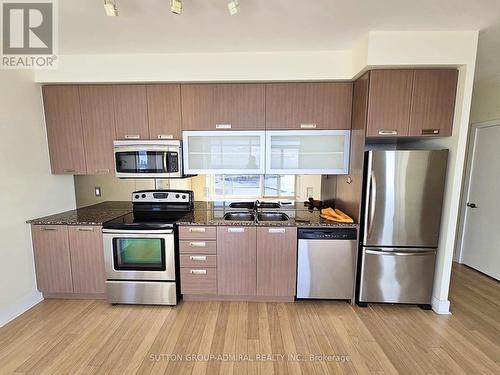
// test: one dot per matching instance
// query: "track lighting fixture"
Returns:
(176, 6)
(234, 7)
(110, 8)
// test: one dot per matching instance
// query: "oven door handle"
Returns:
(127, 231)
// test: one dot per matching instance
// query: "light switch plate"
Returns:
(97, 191)
(310, 192)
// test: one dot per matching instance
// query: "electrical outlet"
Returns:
(97, 191)
(310, 192)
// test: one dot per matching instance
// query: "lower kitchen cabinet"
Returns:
(276, 261)
(87, 259)
(69, 260)
(236, 261)
(52, 258)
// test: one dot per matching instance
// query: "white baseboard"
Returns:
(24, 304)
(441, 307)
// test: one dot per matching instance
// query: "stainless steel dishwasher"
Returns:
(326, 263)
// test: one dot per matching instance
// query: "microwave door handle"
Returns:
(165, 161)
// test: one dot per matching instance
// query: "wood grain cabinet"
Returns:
(52, 258)
(64, 129)
(276, 261)
(309, 105)
(236, 261)
(164, 111)
(411, 102)
(87, 259)
(433, 102)
(98, 120)
(223, 106)
(131, 111)
(69, 260)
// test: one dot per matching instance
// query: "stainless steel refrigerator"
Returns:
(403, 200)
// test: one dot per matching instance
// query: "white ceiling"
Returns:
(148, 26)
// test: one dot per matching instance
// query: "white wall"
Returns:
(486, 100)
(378, 49)
(27, 189)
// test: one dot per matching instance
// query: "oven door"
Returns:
(139, 254)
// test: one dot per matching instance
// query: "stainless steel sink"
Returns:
(239, 216)
(272, 216)
(251, 205)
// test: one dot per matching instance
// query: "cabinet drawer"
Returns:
(198, 232)
(198, 247)
(198, 260)
(198, 281)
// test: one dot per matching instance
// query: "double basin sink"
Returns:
(255, 215)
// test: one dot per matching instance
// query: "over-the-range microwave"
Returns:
(148, 159)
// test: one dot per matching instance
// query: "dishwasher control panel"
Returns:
(328, 233)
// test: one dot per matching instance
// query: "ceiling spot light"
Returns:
(110, 8)
(234, 7)
(176, 6)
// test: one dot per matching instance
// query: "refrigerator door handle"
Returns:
(371, 201)
(400, 253)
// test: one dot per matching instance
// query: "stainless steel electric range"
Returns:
(140, 249)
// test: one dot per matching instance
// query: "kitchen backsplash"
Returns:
(114, 189)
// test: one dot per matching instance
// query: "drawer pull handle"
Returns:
(236, 230)
(197, 230)
(49, 229)
(102, 171)
(69, 170)
(198, 244)
(198, 272)
(198, 257)
(430, 131)
(388, 132)
(308, 126)
(132, 136)
(86, 229)
(277, 230)
(165, 136)
(222, 126)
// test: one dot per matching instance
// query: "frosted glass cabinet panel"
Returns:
(227, 152)
(307, 152)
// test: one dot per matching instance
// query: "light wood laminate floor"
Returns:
(73, 337)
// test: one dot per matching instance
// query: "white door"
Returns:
(481, 241)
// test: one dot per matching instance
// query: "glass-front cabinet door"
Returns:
(307, 152)
(224, 152)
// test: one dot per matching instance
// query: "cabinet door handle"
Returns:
(165, 136)
(388, 132)
(198, 257)
(308, 126)
(276, 230)
(132, 136)
(102, 171)
(198, 244)
(223, 126)
(86, 229)
(197, 230)
(69, 170)
(198, 272)
(430, 131)
(49, 229)
(236, 230)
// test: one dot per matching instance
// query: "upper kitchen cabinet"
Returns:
(389, 103)
(131, 111)
(308, 105)
(228, 152)
(223, 106)
(64, 129)
(411, 102)
(433, 102)
(98, 122)
(307, 152)
(164, 111)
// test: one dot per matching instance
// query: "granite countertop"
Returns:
(90, 215)
(204, 213)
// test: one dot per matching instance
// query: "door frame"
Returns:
(471, 143)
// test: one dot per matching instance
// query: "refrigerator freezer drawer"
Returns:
(397, 275)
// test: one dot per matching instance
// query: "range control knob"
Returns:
(143, 195)
(137, 196)
(177, 195)
(183, 197)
